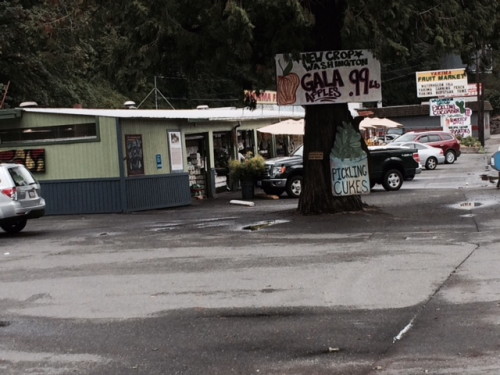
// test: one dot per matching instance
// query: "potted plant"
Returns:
(247, 171)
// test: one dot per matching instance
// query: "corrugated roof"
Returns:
(210, 114)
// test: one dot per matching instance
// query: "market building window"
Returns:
(50, 134)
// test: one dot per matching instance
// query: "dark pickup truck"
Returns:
(389, 167)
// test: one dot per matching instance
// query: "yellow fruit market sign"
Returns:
(327, 77)
(443, 83)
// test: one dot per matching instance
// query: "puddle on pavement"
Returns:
(470, 205)
(199, 224)
(264, 224)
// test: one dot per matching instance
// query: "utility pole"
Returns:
(480, 101)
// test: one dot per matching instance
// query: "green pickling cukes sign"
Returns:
(349, 163)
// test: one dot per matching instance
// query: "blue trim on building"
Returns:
(103, 195)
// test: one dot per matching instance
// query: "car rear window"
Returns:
(406, 137)
(434, 138)
(21, 177)
(447, 137)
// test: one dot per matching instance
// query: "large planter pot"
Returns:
(247, 189)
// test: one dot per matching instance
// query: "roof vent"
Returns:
(28, 104)
(204, 106)
(129, 104)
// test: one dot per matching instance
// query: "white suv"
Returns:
(20, 198)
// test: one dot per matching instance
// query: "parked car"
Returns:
(389, 167)
(384, 139)
(445, 141)
(430, 156)
(397, 132)
(20, 197)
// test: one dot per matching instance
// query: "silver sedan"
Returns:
(430, 156)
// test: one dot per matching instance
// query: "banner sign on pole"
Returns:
(328, 77)
(444, 83)
(458, 125)
(446, 106)
(455, 117)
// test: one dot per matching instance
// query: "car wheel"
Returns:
(431, 163)
(449, 157)
(14, 226)
(271, 191)
(393, 179)
(294, 186)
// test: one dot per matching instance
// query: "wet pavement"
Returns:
(408, 286)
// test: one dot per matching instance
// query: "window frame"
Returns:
(53, 140)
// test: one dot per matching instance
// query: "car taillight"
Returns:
(11, 193)
(416, 156)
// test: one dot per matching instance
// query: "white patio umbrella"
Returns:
(375, 122)
(289, 127)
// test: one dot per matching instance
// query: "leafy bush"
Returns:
(470, 142)
(248, 169)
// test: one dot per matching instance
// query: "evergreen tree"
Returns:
(61, 52)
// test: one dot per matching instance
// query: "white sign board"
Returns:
(446, 106)
(455, 117)
(175, 147)
(458, 125)
(444, 83)
(328, 77)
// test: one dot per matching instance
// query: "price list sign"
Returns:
(326, 77)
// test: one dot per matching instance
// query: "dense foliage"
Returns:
(62, 52)
(99, 54)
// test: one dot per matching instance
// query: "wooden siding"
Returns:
(150, 192)
(81, 196)
(94, 196)
(76, 160)
(154, 142)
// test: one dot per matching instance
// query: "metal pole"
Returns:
(156, 95)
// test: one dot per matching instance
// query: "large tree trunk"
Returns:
(321, 124)
(322, 121)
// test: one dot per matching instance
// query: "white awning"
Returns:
(289, 127)
(375, 122)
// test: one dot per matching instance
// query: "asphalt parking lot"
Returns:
(408, 286)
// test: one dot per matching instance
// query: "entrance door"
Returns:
(222, 155)
(198, 164)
